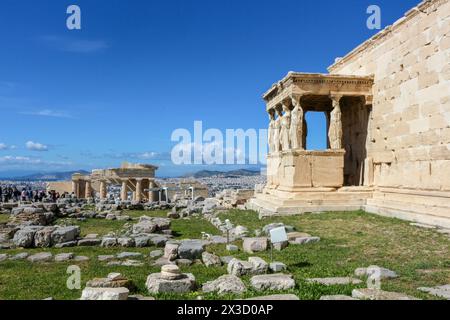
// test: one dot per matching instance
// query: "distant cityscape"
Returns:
(216, 181)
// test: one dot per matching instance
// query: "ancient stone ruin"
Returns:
(386, 106)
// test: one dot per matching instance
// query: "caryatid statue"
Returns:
(296, 130)
(335, 131)
(276, 132)
(285, 128)
(271, 131)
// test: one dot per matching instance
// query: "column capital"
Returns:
(335, 97)
(295, 98)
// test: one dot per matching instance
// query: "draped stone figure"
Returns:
(296, 130)
(271, 131)
(276, 132)
(285, 129)
(335, 131)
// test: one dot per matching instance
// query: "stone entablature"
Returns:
(296, 85)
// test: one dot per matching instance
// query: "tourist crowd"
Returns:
(12, 193)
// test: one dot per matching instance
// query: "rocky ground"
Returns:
(208, 249)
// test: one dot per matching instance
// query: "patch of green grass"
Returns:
(4, 218)
(348, 240)
(139, 213)
(192, 228)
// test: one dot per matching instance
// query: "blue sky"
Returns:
(137, 70)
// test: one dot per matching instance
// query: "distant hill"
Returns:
(46, 176)
(211, 173)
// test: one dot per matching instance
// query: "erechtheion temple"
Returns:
(387, 105)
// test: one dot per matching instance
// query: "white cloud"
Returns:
(4, 146)
(30, 161)
(36, 146)
(19, 160)
(48, 113)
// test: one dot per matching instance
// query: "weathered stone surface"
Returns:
(105, 257)
(24, 237)
(125, 242)
(65, 234)
(159, 241)
(280, 245)
(226, 259)
(142, 241)
(279, 297)
(162, 261)
(144, 226)
(40, 257)
(105, 294)
(81, 259)
(113, 280)
(156, 253)
(108, 242)
(252, 245)
(374, 294)
(239, 268)
(266, 229)
(3, 257)
(218, 239)
(211, 260)
(156, 284)
(66, 244)
(183, 262)
(306, 240)
(170, 272)
(19, 256)
(376, 271)
(191, 249)
(277, 267)
(62, 257)
(334, 281)
(125, 255)
(132, 263)
(232, 247)
(239, 232)
(272, 282)
(171, 251)
(259, 265)
(337, 297)
(226, 284)
(439, 291)
(162, 223)
(294, 235)
(42, 237)
(86, 242)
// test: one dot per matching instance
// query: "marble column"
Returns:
(103, 189)
(138, 190)
(74, 186)
(151, 193)
(124, 190)
(88, 190)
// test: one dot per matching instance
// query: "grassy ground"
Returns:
(349, 240)
(4, 218)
